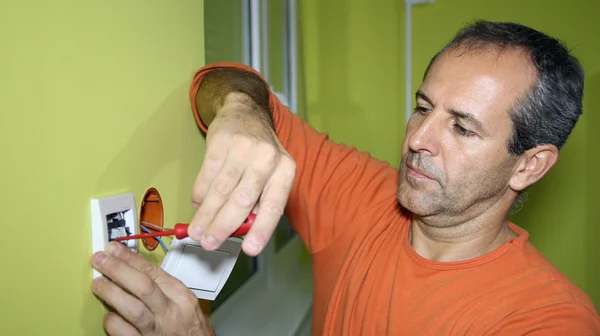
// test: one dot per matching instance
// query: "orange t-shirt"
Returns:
(368, 280)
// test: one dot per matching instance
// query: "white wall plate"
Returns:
(113, 217)
(203, 272)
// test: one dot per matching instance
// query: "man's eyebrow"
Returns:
(467, 117)
(421, 95)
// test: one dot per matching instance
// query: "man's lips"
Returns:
(416, 173)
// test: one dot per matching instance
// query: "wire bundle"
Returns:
(145, 226)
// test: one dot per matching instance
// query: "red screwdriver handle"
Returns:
(181, 230)
(245, 227)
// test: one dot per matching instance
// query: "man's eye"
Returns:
(421, 110)
(462, 131)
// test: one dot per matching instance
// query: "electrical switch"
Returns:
(113, 217)
(203, 272)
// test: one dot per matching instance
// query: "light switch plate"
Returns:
(203, 272)
(113, 217)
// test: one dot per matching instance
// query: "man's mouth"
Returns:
(416, 173)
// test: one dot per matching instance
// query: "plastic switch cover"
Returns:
(203, 272)
(113, 217)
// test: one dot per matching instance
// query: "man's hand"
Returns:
(245, 169)
(146, 300)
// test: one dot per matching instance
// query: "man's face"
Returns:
(455, 161)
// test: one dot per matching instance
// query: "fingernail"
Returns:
(196, 232)
(253, 246)
(97, 282)
(113, 248)
(210, 241)
(196, 205)
(99, 258)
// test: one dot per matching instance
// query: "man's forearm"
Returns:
(229, 85)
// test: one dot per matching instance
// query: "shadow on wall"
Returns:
(593, 188)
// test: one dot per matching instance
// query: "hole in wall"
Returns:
(151, 216)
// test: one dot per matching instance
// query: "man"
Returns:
(426, 251)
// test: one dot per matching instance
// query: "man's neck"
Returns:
(459, 242)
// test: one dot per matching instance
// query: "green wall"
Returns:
(592, 185)
(354, 57)
(94, 101)
(354, 72)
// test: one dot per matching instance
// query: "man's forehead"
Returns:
(485, 84)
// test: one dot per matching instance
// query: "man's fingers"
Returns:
(271, 207)
(219, 191)
(135, 274)
(115, 325)
(243, 199)
(132, 259)
(132, 309)
(139, 263)
(211, 166)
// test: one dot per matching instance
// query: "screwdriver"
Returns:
(180, 231)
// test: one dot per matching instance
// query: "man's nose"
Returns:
(424, 134)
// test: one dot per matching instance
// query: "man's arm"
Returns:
(333, 183)
(245, 167)
(565, 319)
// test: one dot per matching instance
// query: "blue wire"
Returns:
(157, 238)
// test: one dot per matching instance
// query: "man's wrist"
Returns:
(231, 85)
(245, 107)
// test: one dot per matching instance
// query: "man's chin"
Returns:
(409, 206)
(414, 201)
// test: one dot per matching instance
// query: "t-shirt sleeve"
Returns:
(565, 319)
(334, 183)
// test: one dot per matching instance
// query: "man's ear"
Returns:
(533, 165)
